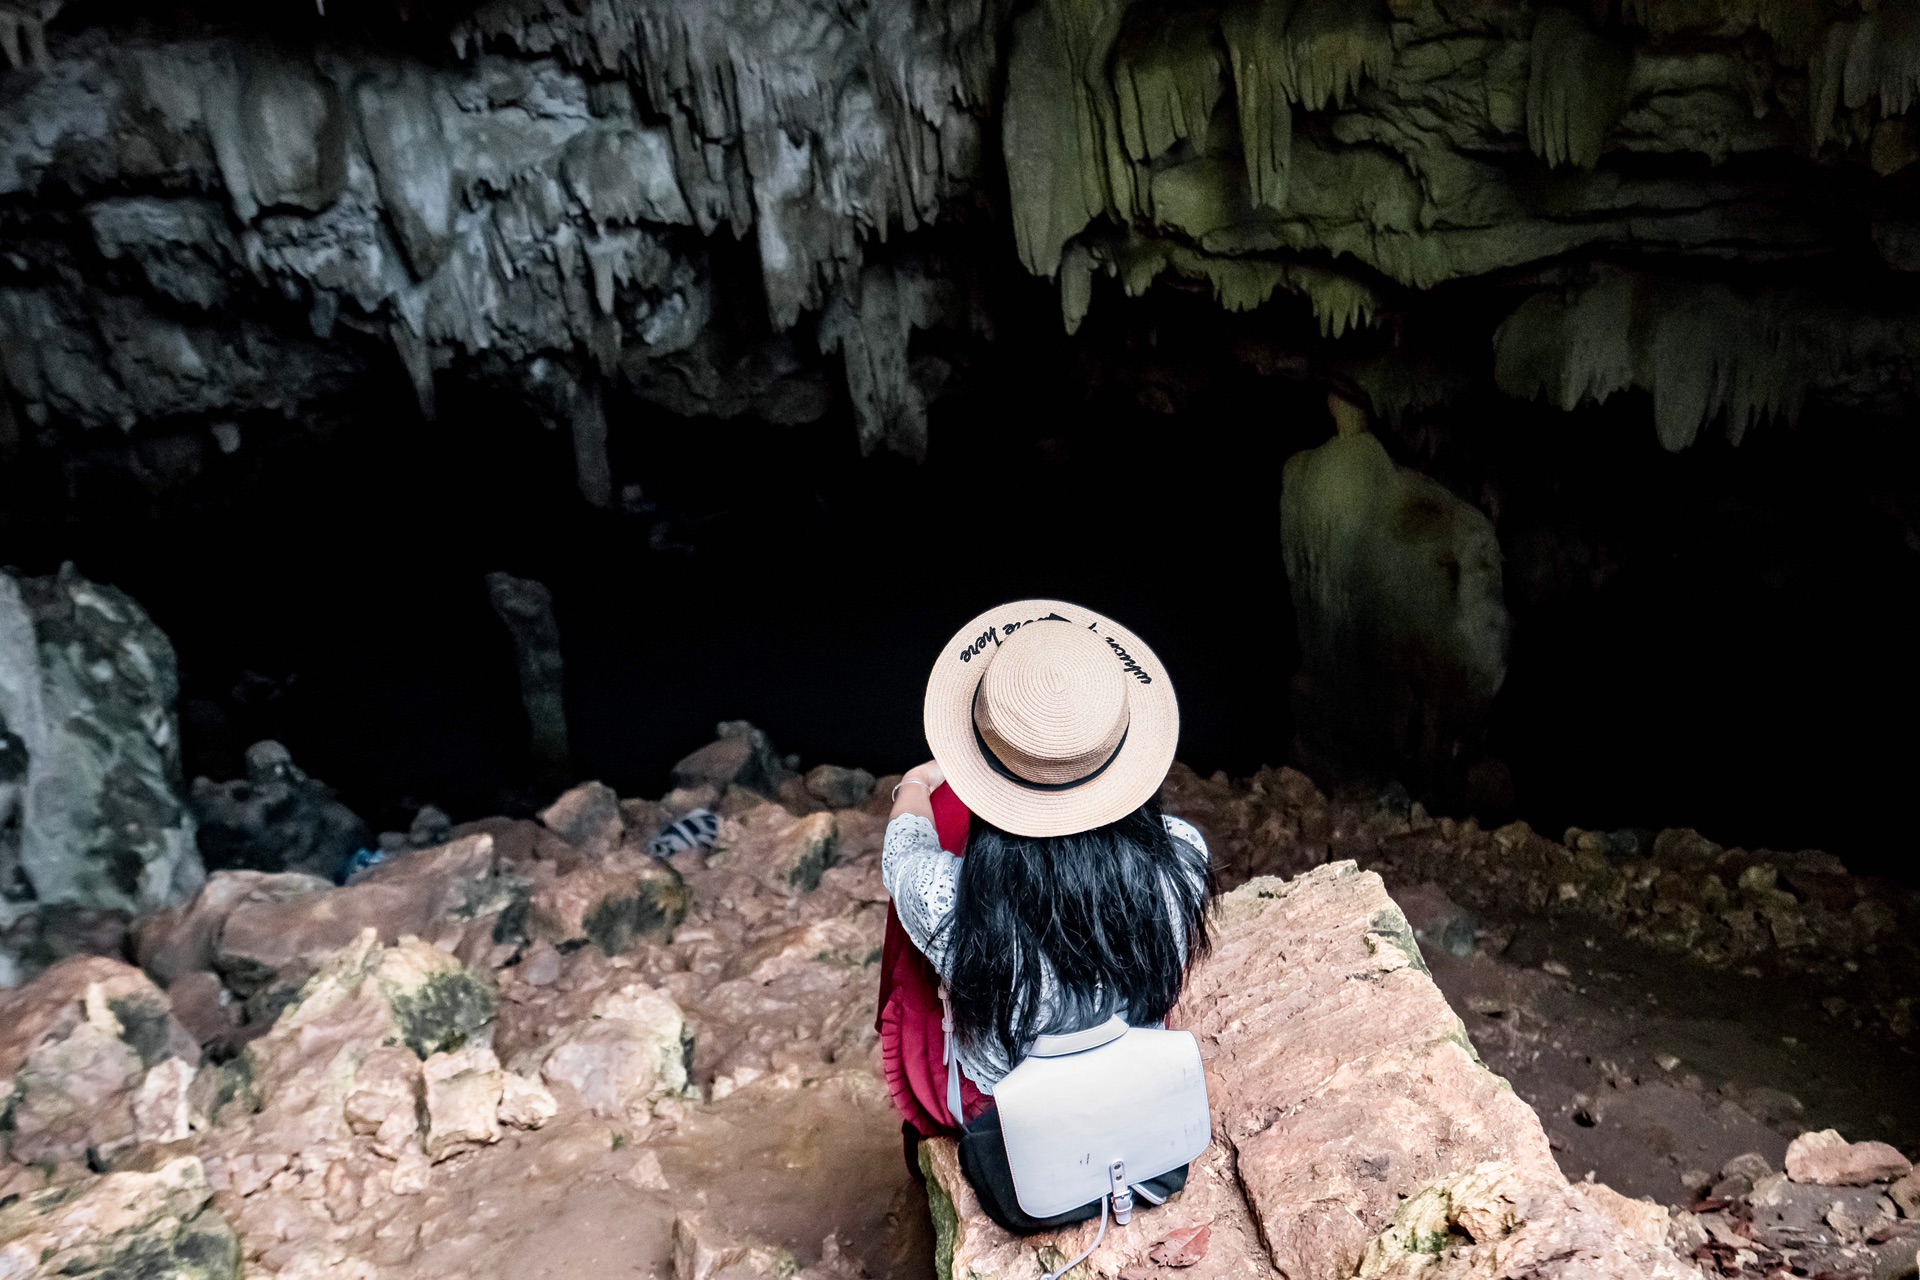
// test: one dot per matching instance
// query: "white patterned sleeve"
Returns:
(1182, 830)
(922, 879)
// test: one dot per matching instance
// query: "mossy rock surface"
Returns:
(657, 904)
(439, 1015)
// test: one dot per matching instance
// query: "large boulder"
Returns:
(158, 1224)
(612, 902)
(1351, 1113)
(87, 686)
(740, 755)
(452, 895)
(182, 939)
(630, 1052)
(91, 1063)
(587, 816)
(344, 1062)
(785, 853)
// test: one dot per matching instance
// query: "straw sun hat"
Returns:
(1049, 719)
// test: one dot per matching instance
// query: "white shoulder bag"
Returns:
(1090, 1116)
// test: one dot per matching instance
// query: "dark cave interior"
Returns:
(1718, 638)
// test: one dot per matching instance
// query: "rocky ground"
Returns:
(535, 1049)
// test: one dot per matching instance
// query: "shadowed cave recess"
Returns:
(421, 423)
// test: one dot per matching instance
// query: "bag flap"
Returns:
(1140, 1098)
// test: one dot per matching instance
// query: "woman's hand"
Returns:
(914, 794)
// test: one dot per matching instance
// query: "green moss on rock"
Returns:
(651, 911)
(946, 1219)
(439, 1015)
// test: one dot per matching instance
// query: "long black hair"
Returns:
(1117, 912)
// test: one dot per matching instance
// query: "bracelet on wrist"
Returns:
(918, 782)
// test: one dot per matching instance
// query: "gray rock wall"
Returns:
(204, 222)
(87, 685)
(253, 223)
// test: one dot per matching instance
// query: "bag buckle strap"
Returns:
(1121, 1192)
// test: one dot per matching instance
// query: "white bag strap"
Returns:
(1120, 1198)
(1079, 1041)
(950, 1054)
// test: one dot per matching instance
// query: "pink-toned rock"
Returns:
(1496, 1220)
(625, 897)
(1906, 1194)
(588, 817)
(75, 1045)
(838, 941)
(179, 940)
(409, 996)
(205, 1008)
(707, 1251)
(525, 1103)
(385, 1099)
(156, 1223)
(1344, 1092)
(776, 848)
(75, 1095)
(463, 1100)
(436, 894)
(55, 1002)
(161, 1112)
(1829, 1160)
(628, 1053)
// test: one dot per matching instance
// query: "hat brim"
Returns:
(1136, 771)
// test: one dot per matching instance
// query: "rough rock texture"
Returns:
(1755, 1222)
(208, 225)
(1354, 1124)
(91, 1063)
(496, 1110)
(125, 1224)
(87, 685)
(1754, 912)
(1829, 1160)
(706, 1104)
(265, 220)
(275, 819)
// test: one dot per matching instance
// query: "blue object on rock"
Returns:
(362, 860)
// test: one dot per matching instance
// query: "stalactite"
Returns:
(1255, 32)
(870, 325)
(1340, 303)
(1883, 60)
(1704, 351)
(1332, 45)
(1168, 79)
(1576, 86)
(590, 465)
(1044, 146)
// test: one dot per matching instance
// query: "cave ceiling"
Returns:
(208, 215)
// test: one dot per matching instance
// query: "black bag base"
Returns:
(983, 1158)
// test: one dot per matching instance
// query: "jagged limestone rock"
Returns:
(123, 1224)
(1707, 353)
(87, 684)
(1397, 595)
(1353, 1124)
(518, 206)
(258, 227)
